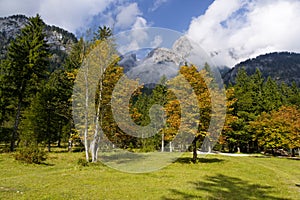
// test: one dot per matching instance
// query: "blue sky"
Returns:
(229, 30)
(174, 14)
(171, 14)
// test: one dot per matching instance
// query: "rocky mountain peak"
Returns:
(60, 41)
(162, 55)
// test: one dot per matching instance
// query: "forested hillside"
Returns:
(280, 66)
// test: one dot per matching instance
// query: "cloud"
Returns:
(135, 38)
(127, 15)
(76, 14)
(157, 41)
(71, 14)
(157, 4)
(10, 7)
(234, 30)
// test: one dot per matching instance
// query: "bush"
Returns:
(82, 162)
(31, 155)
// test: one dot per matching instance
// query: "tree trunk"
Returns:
(86, 115)
(95, 146)
(273, 152)
(59, 142)
(70, 144)
(16, 126)
(194, 149)
(86, 145)
(48, 128)
(49, 145)
(162, 142)
(293, 152)
(59, 136)
(95, 142)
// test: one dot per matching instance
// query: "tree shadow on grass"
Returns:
(187, 160)
(122, 157)
(46, 164)
(225, 187)
(60, 152)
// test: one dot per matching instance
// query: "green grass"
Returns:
(214, 177)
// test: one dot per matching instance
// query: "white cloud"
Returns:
(157, 4)
(73, 14)
(127, 15)
(135, 38)
(235, 30)
(10, 7)
(157, 41)
(140, 22)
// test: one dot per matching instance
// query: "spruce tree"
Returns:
(26, 67)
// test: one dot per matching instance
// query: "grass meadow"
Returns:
(213, 177)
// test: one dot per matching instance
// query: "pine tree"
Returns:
(249, 94)
(272, 99)
(103, 33)
(26, 67)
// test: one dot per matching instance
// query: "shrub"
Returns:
(82, 162)
(31, 155)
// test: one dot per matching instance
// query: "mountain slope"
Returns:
(59, 40)
(282, 66)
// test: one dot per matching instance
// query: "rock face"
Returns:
(282, 67)
(158, 63)
(163, 55)
(161, 62)
(59, 40)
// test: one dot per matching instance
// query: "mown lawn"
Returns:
(214, 177)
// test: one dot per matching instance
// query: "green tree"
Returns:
(103, 33)
(27, 61)
(294, 97)
(159, 96)
(39, 124)
(249, 94)
(49, 112)
(272, 98)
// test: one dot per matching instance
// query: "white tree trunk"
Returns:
(95, 142)
(98, 119)
(86, 125)
(162, 142)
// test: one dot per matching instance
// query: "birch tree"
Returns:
(88, 93)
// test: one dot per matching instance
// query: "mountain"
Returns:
(281, 66)
(60, 41)
(161, 62)
(158, 63)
